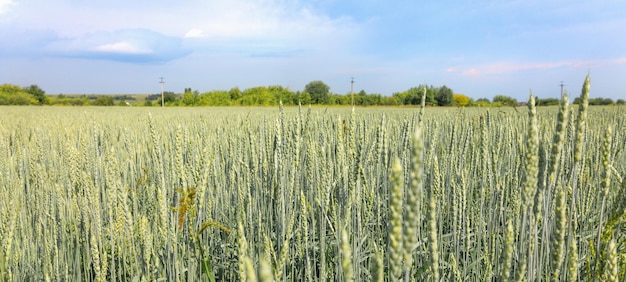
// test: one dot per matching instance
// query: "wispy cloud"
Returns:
(122, 47)
(498, 68)
(266, 29)
(129, 45)
(471, 72)
(195, 33)
(248, 28)
(271, 19)
(4, 5)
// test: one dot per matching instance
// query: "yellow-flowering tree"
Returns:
(461, 100)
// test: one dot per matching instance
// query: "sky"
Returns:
(479, 48)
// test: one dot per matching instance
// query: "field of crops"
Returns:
(261, 194)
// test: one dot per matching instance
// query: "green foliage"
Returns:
(413, 96)
(103, 101)
(388, 101)
(501, 100)
(169, 98)
(620, 102)
(154, 97)
(316, 92)
(409, 97)
(599, 101)
(63, 100)
(190, 98)
(444, 96)
(364, 99)
(38, 93)
(319, 92)
(215, 98)
(482, 102)
(547, 102)
(258, 96)
(592, 101)
(124, 97)
(15, 95)
(283, 94)
(234, 93)
(336, 99)
(303, 98)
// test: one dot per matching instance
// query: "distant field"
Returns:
(311, 194)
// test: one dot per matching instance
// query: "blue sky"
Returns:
(480, 48)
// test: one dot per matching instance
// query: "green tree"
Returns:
(38, 93)
(154, 97)
(483, 102)
(302, 98)
(258, 96)
(547, 102)
(282, 94)
(103, 101)
(335, 99)
(373, 99)
(444, 96)
(215, 98)
(389, 101)
(400, 97)
(360, 98)
(501, 100)
(15, 95)
(190, 98)
(413, 96)
(234, 93)
(319, 92)
(600, 101)
(620, 102)
(168, 97)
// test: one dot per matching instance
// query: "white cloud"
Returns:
(129, 45)
(4, 5)
(243, 27)
(195, 33)
(122, 47)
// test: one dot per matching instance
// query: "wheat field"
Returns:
(313, 194)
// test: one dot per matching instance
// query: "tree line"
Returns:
(315, 92)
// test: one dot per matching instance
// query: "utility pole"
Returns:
(561, 89)
(352, 89)
(162, 95)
